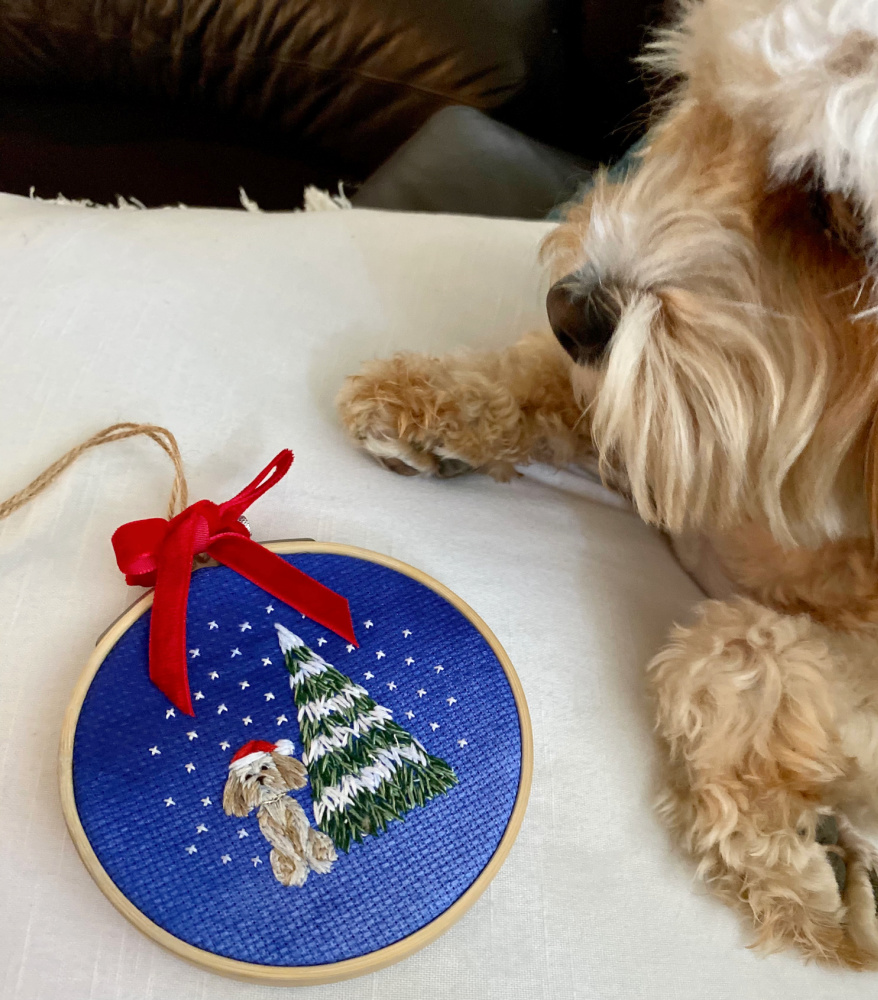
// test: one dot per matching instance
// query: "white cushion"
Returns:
(235, 331)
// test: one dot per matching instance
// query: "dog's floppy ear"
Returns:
(236, 800)
(291, 770)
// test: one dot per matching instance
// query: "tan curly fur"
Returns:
(737, 400)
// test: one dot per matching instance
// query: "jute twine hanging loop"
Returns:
(179, 498)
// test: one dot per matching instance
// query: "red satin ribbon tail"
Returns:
(286, 583)
(168, 665)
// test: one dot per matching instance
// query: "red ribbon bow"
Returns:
(158, 553)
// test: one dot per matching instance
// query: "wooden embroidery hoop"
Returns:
(308, 975)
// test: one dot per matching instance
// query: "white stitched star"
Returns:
(242, 834)
(420, 692)
(201, 828)
(170, 714)
(235, 652)
(462, 743)
(391, 685)
(199, 695)
(438, 668)
(451, 701)
(406, 632)
(368, 624)
(282, 719)
(256, 861)
(266, 662)
(379, 655)
(212, 625)
(321, 641)
(226, 858)
(245, 627)
(155, 751)
(434, 726)
(192, 735)
(224, 745)
(243, 685)
(213, 675)
(350, 648)
(206, 801)
(409, 714)
(246, 720)
(221, 708)
(192, 849)
(409, 660)
(368, 675)
(269, 608)
(169, 802)
(194, 652)
(269, 695)
(190, 767)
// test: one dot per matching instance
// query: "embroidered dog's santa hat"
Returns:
(256, 749)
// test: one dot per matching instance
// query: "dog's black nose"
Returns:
(584, 315)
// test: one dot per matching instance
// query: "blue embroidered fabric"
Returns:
(148, 780)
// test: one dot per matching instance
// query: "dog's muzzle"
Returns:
(584, 314)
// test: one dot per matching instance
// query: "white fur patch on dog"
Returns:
(807, 70)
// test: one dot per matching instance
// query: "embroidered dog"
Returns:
(260, 775)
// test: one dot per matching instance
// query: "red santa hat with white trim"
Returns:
(256, 749)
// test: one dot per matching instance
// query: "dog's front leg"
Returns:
(287, 856)
(766, 749)
(484, 411)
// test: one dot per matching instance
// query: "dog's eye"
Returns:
(264, 767)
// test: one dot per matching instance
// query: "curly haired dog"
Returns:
(715, 345)
(260, 775)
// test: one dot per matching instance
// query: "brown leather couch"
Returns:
(186, 100)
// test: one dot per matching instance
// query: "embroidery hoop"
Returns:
(309, 975)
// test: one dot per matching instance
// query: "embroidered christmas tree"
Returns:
(364, 768)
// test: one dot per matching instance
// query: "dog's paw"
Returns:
(399, 413)
(854, 862)
(288, 871)
(322, 851)
(415, 418)
(826, 835)
(833, 915)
